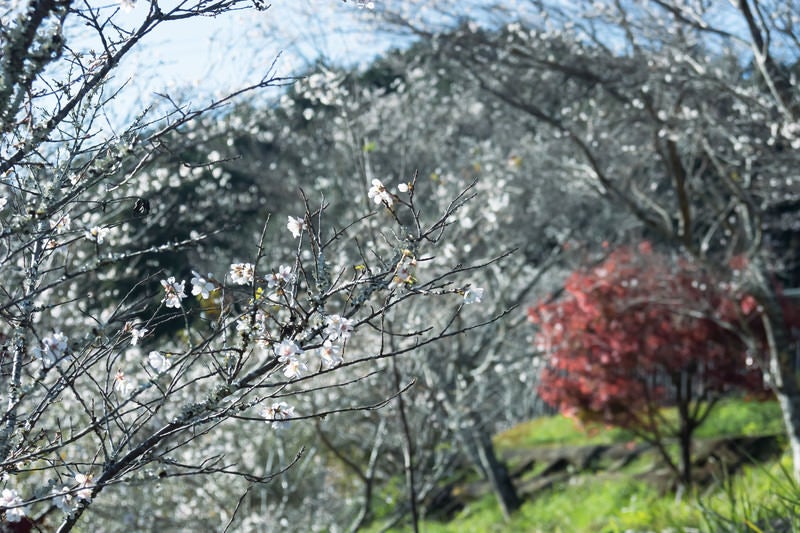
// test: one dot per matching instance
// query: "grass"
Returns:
(729, 417)
(760, 498)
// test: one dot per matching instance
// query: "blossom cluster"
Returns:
(52, 349)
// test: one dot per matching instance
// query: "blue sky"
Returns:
(207, 56)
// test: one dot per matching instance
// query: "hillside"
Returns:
(593, 479)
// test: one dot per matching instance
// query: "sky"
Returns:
(205, 56)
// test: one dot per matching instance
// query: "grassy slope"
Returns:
(751, 501)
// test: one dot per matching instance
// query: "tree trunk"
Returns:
(685, 442)
(495, 472)
(782, 372)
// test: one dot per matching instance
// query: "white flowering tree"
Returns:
(122, 373)
(684, 113)
(483, 380)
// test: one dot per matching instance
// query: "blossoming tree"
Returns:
(633, 83)
(110, 386)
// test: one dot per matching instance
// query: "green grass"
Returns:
(752, 501)
(742, 417)
(558, 431)
(729, 417)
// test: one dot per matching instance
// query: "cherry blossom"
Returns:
(123, 385)
(338, 327)
(242, 273)
(173, 292)
(52, 349)
(378, 194)
(278, 414)
(137, 334)
(201, 286)
(295, 368)
(97, 234)
(330, 354)
(10, 503)
(287, 349)
(64, 500)
(85, 482)
(62, 224)
(295, 226)
(283, 276)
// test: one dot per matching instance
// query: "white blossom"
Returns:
(295, 226)
(286, 349)
(378, 194)
(201, 286)
(97, 234)
(61, 224)
(84, 482)
(137, 334)
(242, 273)
(64, 500)
(173, 292)
(158, 361)
(9, 499)
(124, 386)
(330, 354)
(338, 327)
(52, 349)
(295, 368)
(404, 271)
(278, 414)
(473, 295)
(283, 276)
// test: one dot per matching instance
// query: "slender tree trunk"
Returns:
(782, 373)
(479, 445)
(498, 476)
(784, 382)
(685, 442)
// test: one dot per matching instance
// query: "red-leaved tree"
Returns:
(641, 331)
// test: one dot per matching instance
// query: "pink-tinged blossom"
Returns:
(122, 385)
(201, 286)
(173, 292)
(11, 503)
(295, 368)
(52, 349)
(84, 486)
(296, 226)
(338, 327)
(330, 354)
(283, 276)
(287, 349)
(378, 194)
(242, 273)
(278, 414)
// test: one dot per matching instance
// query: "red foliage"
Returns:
(639, 331)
